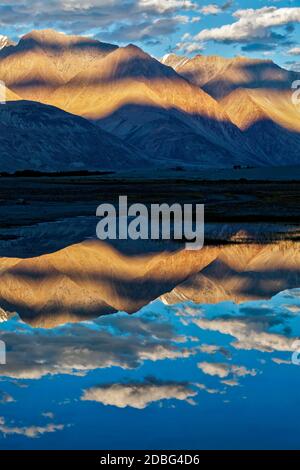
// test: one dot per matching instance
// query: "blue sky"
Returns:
(260, 28)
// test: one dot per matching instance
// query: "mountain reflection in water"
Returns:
(205, 362)
(92, 278)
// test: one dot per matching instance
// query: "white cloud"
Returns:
(6, 398)
(213, 349)
(196, 19)
(223, 370)
(211, 9)
(251, 24)
(294, 51)
(150, 29)
(209, 348)
(138, 395)
(211, 391)
(241, 371)
(81, 17)
(189, 47)
(163, 6)
(119, 341)
(231, 382)
(281, 361)
(249, 334)
(29, 431)
(48, 414)
(186, 36)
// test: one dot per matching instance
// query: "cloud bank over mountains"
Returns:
(188, 25)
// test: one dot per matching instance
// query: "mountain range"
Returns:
(137, 111)
(219, 76)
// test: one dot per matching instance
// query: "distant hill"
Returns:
(43, 138)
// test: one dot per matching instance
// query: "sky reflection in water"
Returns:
(177, 377)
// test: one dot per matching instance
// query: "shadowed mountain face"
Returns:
(176, 137)
(92, 279)
(270, 121)
(43, 138)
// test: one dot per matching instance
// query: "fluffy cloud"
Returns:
(249, 334)
(189, 47)
(140, 394)
(211, 391)
(280, 361)
(231, 382)
(195, 19)
(119, 341)
(213, 349)
(48, 414)
(109, 17)
(145, 31)
(159, 6)
(29, 431)
(211, 9)
(6, 398)
(223, 370)
(220, 370)
(252, 24)
(294, 51)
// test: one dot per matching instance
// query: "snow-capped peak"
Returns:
(4, 41)
(174, 60)
(165, 57)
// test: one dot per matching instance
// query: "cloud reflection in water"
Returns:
(212, 370)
